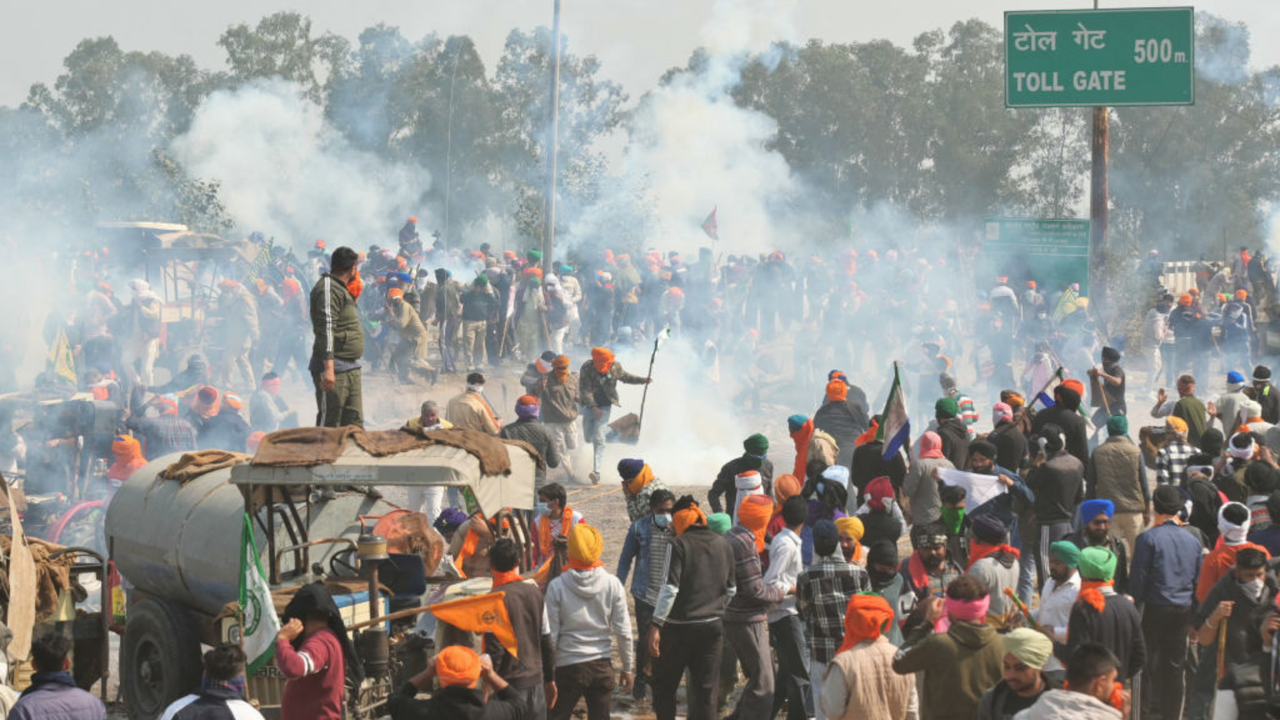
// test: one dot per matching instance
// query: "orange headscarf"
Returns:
(206, 402)
(754, 514)
(869, 435)
(784, 487)
(355, 286)
(642, 478)
(802, 437)
(129, 458)
(560, 368)
(692, 515)
(837, 390)
(867, 617)
(458, 665)
(602, 358)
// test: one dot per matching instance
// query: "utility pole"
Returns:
(448, 150)
(549, 204)
(1098, 205)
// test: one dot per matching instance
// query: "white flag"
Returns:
(258, 621)
(979, 489)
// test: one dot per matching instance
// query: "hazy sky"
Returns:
(636, 40)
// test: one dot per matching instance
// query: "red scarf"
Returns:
(919, 576)
(978, 550)
(802, 437)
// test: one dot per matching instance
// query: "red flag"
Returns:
(710, 227)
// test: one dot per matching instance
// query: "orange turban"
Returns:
(560, 368)
(129, 457)
(458, 665)
(754, 514)
(255, 439)
(692, 515)
(837, 390)
(395, 294)
(867, 617)
(785, 486)
(233, 400)
(1074, 385)
(585, 546)
(602, 358)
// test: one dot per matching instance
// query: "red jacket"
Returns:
(315, 674)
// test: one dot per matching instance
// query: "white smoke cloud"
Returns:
(286, 172)
(692, 148)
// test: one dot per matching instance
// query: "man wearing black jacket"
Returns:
(221, 695)
(953, 431)
(1065, 414)
(459, 670)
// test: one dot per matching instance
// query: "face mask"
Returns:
(822, 487)
(1254, 587)
(540, 508)
(880, 578)
(476, 388)
(662, 520)
(953, 518)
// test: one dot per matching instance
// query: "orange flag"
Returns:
(484, 613)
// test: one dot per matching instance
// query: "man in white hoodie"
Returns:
(1091, 675)
(584, 604)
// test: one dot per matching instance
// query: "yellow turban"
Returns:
(585, 546)
(851, 526)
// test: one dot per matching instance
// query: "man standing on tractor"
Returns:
(339, 344)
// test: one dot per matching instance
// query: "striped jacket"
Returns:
(335, 322)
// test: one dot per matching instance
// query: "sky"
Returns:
(636, 40)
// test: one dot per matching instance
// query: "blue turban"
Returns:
(1090, 509)
(630, 467)
(795, 422)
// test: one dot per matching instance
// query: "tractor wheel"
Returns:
(159, 658)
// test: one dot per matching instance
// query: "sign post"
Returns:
(1099, 58)
(1096, 58)
(1053, 252)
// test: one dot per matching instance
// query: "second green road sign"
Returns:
(1100, 57)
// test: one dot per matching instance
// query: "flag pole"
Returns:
(649, 375)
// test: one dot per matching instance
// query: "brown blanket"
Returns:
(303, 447)
(488, 449)
(192, 465)
(52, 575)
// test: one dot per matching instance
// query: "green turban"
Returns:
(946, 408)
(1067, 552)
(756, 444)
(719, 522)
(1031, 647)
(1117, 425)
(533, 256)
(1097, 563)
(482, 281)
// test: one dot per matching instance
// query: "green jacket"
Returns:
(335, 322)
(959, 666)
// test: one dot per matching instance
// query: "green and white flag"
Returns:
(258, 622)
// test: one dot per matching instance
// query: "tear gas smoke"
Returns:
(287, 173)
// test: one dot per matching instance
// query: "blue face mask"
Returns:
(540, 508)
(822, 487)
(662, 520)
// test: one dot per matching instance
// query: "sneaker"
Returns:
(595, 478)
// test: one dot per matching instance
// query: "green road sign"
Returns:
(1054, 253)
(1099, 57)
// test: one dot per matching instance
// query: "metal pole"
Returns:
(448, 150)
(553, 135)
(1098, 205)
